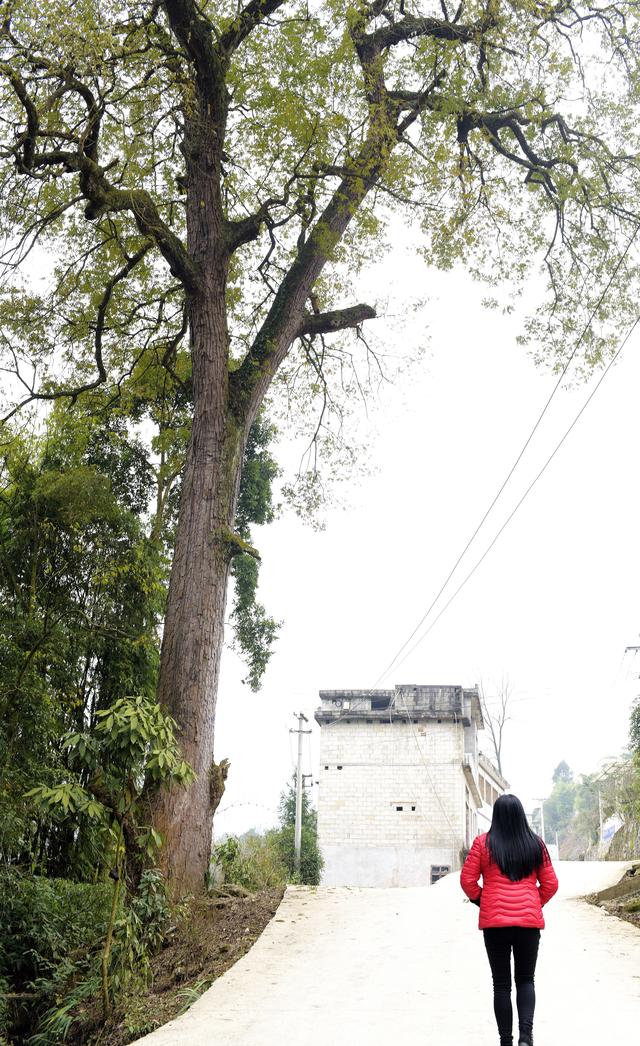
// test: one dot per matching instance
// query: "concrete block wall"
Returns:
(365, 840)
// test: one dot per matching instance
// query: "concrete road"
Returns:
(407, 967)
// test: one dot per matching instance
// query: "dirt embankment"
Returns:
(623, 899)
(218, 931)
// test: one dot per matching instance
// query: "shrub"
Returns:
(253, 861)
(50, 934)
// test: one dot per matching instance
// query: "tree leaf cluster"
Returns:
(254, 630)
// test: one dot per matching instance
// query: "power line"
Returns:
(621, 259)
(526, 493)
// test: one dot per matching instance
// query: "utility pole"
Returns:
(541, 801)
(298, 830)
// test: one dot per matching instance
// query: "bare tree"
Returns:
(495, 707)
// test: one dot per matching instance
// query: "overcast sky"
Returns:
(554, 604)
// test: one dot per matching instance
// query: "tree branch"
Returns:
(244, 230)
(102, 197)
(411, 27)
(252, 15)
(73, 393)
(337, 320)
(249, 382)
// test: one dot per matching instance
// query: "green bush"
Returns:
(50, 933)
(265, 859)
(260, 861)
(43, 921)
(310, 858)
(139, 932)
(252, 861)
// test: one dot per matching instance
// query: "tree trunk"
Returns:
(193, 628)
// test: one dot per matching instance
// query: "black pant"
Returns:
(499, 940)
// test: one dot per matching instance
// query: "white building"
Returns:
(403, 790)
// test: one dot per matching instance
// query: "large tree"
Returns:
(203, 179)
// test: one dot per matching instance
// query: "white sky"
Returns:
(553, 605)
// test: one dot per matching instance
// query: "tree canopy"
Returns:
(511, 128)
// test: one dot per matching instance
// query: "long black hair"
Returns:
(511, 843)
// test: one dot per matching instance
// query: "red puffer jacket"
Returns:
(503, 902)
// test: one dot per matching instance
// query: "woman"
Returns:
(512, 861)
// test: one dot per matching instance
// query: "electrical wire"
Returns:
(525, 495)
(517, 461)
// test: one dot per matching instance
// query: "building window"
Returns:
(438, 871)
(399, 808)
(326, 767)
(339, 767)
(413, 807)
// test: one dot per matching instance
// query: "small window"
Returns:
(399, 808)
(438, 871)
(338, 767)
(413, 807)
(326, 767)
